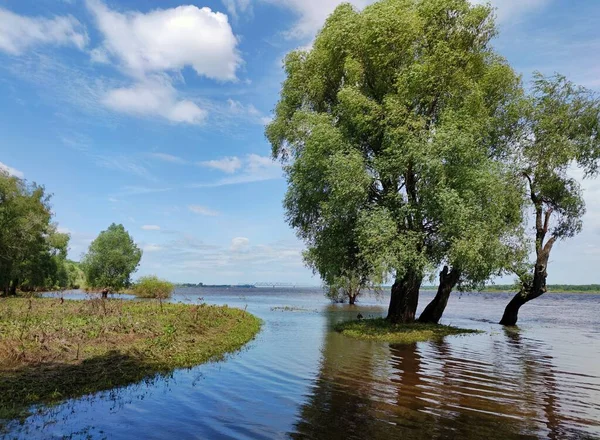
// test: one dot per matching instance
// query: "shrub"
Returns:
(153, 287)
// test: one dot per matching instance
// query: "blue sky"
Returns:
(151, 114)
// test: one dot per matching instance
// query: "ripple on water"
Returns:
(300, 379)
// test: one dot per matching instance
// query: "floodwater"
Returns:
(299, 379)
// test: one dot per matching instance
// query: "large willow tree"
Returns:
(394, 128)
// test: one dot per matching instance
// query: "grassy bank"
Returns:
(381, 330)
(52, 350)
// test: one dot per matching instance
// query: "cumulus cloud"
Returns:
(227, 164)
(168, 40)
(19, 33)
(154, 98)
(202, 210)
(152, 48)
(151, 228)
(11, 171)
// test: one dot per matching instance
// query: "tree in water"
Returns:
(347, 287)
(111, 259)
(386, 126)
(560, 131)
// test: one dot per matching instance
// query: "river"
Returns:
(299, 379)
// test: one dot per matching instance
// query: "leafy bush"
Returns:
(153, 287)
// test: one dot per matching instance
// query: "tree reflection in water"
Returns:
(436, 390)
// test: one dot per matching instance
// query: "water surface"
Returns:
(299, 379)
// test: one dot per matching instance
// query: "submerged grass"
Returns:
(52, 350)
(381, 330)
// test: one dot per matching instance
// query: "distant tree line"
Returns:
(33, 253)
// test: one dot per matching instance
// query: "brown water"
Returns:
(299, 379)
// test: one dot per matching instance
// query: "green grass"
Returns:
(52, 350)
(381, 330)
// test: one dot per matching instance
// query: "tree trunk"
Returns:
(529, 291)
(352, 299)
(405, 298)
(13, 287)
(435, 309)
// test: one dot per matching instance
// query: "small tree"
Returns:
(560, 129)
(111, 259)
(151, 286)
(346, 287)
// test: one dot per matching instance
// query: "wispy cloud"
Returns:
(227, 164)
(140, 190)
(151, 247)
(168, 158)
(11, 171)
(203, 210)
(254, 168)
(122, 163)
(151, 228)
(19, 33)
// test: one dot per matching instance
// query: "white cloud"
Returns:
(513, 9)
(227, 164)
(152, 248)
(236, 107)
(151, 228)
(154, 98)
(63, 230)
(19, 33)
(11, 171)
(239, 244)
(202, 210)
(312, 13)
(168, 158)
(237, 7)
(168, 40)
(255, 168)
(122, 163)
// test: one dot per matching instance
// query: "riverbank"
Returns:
(382, 330)
(52, 350)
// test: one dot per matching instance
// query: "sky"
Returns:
(151, 114)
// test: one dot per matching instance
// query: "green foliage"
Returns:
(347, 287)
(33, 251)
(51, 350)
(559, 129)
(111, 259)
(393, 129)
(382, 330)
(152, 287)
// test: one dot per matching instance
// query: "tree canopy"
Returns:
(392, 129)
(33, 251)
(111, 259)
(558, 132)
